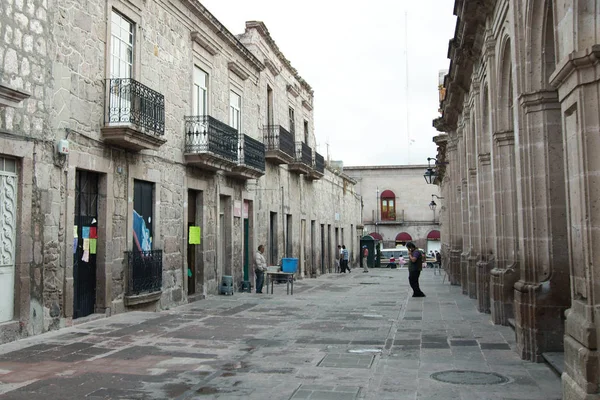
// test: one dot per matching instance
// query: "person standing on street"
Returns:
(260, 266)
(415, 265)
(345, 259)
(365, 256)
(438, 259)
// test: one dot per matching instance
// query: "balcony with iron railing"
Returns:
(210, 144)
(251, 158)
(134, 117)
(144, 276)
(318, 167)
(279, 145)
(302, 163)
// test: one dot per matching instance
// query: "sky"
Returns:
(373, 67)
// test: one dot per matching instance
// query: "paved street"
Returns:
(346, 336)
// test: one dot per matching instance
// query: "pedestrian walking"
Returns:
(345, 259)
(438, 259)
(415, 265)
(365, 256)
(260, 266)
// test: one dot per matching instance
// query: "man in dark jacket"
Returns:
(415, 265)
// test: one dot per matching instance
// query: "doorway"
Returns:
(8, 227)
(85, 243)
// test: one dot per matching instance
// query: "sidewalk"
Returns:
(341, 336)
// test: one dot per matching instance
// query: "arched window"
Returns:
(388, 205)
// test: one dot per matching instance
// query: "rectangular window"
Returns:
(292, 121)
(235, 106)
(200, 95)
(121, 46)
(269, 106)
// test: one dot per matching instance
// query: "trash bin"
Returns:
(227, 285)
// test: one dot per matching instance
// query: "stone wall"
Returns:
(522, 82)
(68, 101)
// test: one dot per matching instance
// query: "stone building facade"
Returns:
(520, 122)
(145, 152)
(396, 204)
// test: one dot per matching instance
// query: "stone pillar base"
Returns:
(454, 275)
(539, 322)
(464, 272)
(483, 286)
(572, 391)
(472, 278)
(581, 379)
(502, 281)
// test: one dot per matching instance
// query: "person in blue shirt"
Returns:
(345, 259)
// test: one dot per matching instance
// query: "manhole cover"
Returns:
(469, 377)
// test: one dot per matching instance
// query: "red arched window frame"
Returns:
(388, 205)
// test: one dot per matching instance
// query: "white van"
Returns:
(396, 253)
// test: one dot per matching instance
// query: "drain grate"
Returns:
(460, 377)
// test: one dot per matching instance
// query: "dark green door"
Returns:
(246, 250)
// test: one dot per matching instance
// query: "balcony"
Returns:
(210, 144)
(251, 159)
(318, 167)
(144, 283)
(134, 117)
(279, 145)
(303, 161)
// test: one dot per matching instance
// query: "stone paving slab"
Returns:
(350, 336)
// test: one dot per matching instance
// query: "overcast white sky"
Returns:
(354, 55)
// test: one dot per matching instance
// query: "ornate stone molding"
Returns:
(575, 63)
(293, 90)
(307, 105)
(272, 67)
(485, 158)
(539, 98)
(238, 70)
(205, 43)
(472, 172)
(504, 138)
(10, 97)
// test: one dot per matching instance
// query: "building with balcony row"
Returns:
(520, 135)
(145, 153)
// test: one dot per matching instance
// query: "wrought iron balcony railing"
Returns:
(205, 134)
(131, 102)
(277, 138)
(303, 154)
(145, 272)
(319, 164)
(252, 153)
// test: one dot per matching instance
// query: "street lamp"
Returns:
(433, 205)
(430, 173)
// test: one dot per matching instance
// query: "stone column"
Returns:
(577, 78)
(486, 232)
(505, 272)
(473, 256)
(464, 208)
(454, 213)
(542, 292)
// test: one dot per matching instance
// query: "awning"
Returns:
(403, 237)
(376, 236)
(386, 194)
(433, 235)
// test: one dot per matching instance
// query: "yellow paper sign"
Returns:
(75, 231)
(86, 244)
(194, 235)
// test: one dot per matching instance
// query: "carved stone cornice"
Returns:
(504, 138)
(238, 70)
(472, 172)
(485, 158)
(575, 63)
(205, 42)
(10, 97)
(307, 105)
(293, 90)
(539, 98)
(272, 67)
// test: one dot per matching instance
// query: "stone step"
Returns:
(511, 323)
(556, 361)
